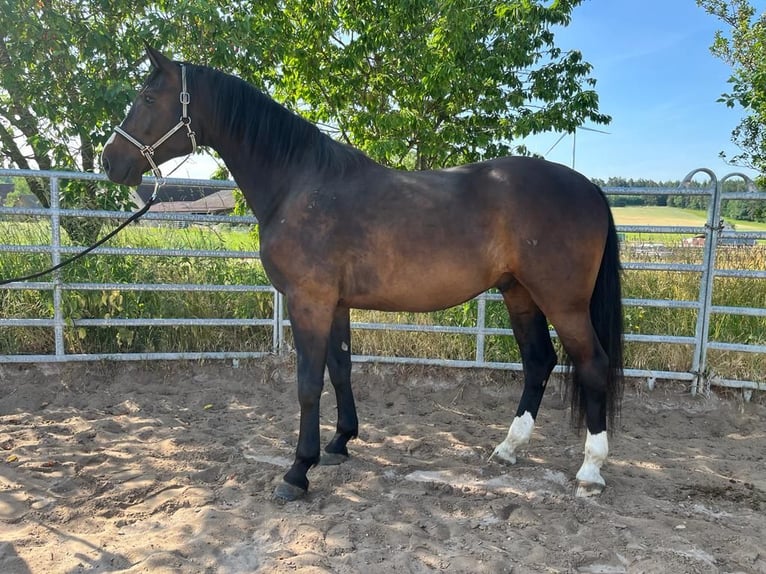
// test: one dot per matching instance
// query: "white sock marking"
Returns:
(518, 435)
(596, 451)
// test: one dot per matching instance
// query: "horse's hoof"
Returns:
(503, 455)
(332, 459)
(588, 489)
(287, 492)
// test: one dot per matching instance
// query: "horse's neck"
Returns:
(264, 181)
(264, 187)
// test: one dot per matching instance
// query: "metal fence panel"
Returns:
(699, 375)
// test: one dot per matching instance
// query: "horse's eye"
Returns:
(148, 99)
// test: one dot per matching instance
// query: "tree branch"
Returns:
(11, 150)
(26, 122)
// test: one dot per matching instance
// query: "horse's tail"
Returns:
(606, 316)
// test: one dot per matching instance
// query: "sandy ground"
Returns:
(170, 468)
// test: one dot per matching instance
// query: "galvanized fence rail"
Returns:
(699, 376)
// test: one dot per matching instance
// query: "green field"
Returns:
(674, 216)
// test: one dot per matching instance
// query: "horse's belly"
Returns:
(418, 290)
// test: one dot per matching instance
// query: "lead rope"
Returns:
(148, 152)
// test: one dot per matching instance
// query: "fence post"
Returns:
(58, 312)
(481, 325)
(714, 225)
(279, 324)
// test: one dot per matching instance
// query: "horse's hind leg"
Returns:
(339, 367)
(591, 367)
(538, 357)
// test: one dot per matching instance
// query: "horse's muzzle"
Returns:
(119, 167)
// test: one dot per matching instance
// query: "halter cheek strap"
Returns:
(185, 122)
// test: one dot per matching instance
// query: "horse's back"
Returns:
(524, 199)
(531, 181)
(419, 241)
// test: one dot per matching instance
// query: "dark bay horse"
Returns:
(339, 231)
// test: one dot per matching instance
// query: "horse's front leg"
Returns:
(339, 366)
(310, 323)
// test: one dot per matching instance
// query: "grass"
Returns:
(140, 304)
(675, 216)
(652, 215)
(154, 304)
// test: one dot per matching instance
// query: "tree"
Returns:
(429, 83)
(416, 83)
(743, 46)
(69, 69)
(63, 73)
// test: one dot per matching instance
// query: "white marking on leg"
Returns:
(589, 476)
(518, 435)
(344, 346)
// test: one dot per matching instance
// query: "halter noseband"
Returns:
(185, 122)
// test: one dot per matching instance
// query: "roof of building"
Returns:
(221, 201)
(175, 193)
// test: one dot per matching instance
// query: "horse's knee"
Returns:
(309, 394)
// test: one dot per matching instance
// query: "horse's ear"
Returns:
(157, 60)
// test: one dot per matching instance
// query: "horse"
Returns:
(341, 231)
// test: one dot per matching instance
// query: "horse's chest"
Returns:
(293, 254)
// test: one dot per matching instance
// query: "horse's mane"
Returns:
(242, 112)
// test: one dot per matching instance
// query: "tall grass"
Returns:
(139, 304)
(122, 303)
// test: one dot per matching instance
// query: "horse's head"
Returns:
(157, 127)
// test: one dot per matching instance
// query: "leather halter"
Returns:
(185, 122)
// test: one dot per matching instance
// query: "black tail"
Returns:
(606, 316)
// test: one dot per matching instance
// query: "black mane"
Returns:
(281, 137)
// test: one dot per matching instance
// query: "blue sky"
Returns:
(656, 78)
(659, 82)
